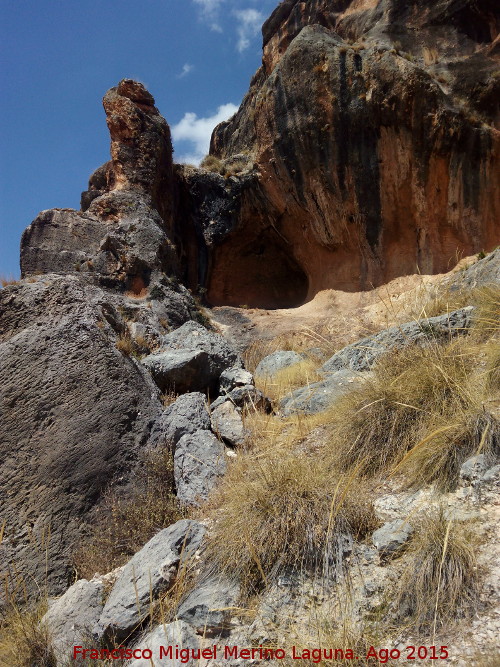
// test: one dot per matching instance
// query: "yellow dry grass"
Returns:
(441, 579)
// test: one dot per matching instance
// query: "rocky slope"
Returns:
(366, 146)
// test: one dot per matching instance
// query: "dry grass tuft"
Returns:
(132, 347)
(439, 300)
(212, 163)
(441, 580)
(288, 379)
(430, 55)
(284, 510)
(336, 637)
(421, 413)
(24, 642)
(5, 281)
(123, 525)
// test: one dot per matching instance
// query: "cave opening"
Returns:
(261, 273)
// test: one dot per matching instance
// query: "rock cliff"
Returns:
(373, 132)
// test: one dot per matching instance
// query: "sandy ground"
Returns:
(333, 317)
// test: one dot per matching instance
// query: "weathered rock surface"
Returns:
(179, 370)
(277, 361)
(371, 132)
(177, 634)
(482, 273)
(391, 537)
(194, 336)
(75, 414)
(247, 396)
(71, 618)
(150, 572)
(234, 377)
(209, 607)
(474, 468)
(199, 461)
(192, 359)
(360, 356)
(321, 395)
(123, 237)
(186, 415)
(227, 424)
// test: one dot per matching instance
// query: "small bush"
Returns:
(284, 511)
(213, 164)
(123, 525)
(441, 580)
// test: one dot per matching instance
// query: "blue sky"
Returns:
(58, 58)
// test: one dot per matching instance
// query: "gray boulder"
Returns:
(149, 573)
(76, 413)
(480, 274)
(179, 370)
(195, 337)
(70, 619)
(391, 537)
(474, 468)
(209, 607)
(186, 415)
(319, 396)
(227, 424)
(277, 361)
(234, 377)
(170, 636)
(247, 396)
(361, 356)
(192, 359)
(199, 461)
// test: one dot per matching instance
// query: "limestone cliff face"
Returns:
(373, 134)
(368, 147)
(122, 235)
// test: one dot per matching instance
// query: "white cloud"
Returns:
(249, 20)
(186, 69)
(249, 24)
(210, 12)
(199, 130)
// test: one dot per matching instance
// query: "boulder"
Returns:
(192, 359)
(482, 273)
(179, 370)
(186, 415)
(70, 619)
(149, 573)
(321, 395)
(474, 468)
(76, 412)
(362, 355)
(227, 424)
(277, 361)
(177, 635)
(209, 607)
(234, 377)
(195, 337)
(247, 396)
(199, 461)
(391, 537)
